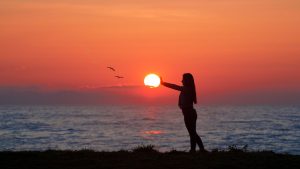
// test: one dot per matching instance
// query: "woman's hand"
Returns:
(161, 81)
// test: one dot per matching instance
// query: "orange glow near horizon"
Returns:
(229, 47)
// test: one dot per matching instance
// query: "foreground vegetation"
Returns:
(146, 157)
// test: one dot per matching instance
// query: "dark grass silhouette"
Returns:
(147, 157)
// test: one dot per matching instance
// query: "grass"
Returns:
(147, 157)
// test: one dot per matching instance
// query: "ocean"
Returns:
(113, 128)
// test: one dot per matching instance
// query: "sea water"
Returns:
(113, 128)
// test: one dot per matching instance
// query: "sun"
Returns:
(152, 80)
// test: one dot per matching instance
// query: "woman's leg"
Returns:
(190, 123)
(189, 126)
(200, 143)
(198, 139)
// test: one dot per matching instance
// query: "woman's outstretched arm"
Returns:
(170, 85)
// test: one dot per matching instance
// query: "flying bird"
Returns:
(111, 68)
(119, 77)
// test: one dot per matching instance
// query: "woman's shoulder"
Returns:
(186, 88)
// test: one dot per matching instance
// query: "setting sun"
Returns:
(152, 80)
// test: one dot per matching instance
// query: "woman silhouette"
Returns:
(187, 98)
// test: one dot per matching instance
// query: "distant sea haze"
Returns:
(139, 94)
(112, 128)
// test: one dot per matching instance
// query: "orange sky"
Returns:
(231, 46)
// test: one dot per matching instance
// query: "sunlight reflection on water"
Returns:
(124, 127)
(153, 132)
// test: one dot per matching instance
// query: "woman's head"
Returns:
(188, 81)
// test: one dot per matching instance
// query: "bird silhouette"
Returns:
(111, 68)
(119, 77)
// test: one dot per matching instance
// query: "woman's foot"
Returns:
(192, 151)
(203, 151)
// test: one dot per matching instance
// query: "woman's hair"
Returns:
(189, 82)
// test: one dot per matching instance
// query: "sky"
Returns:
(239, 51)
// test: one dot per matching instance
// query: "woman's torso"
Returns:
(185, 99)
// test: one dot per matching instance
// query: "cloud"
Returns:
(127, 94)
(121, 86)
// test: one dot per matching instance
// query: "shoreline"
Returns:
(147, 157)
